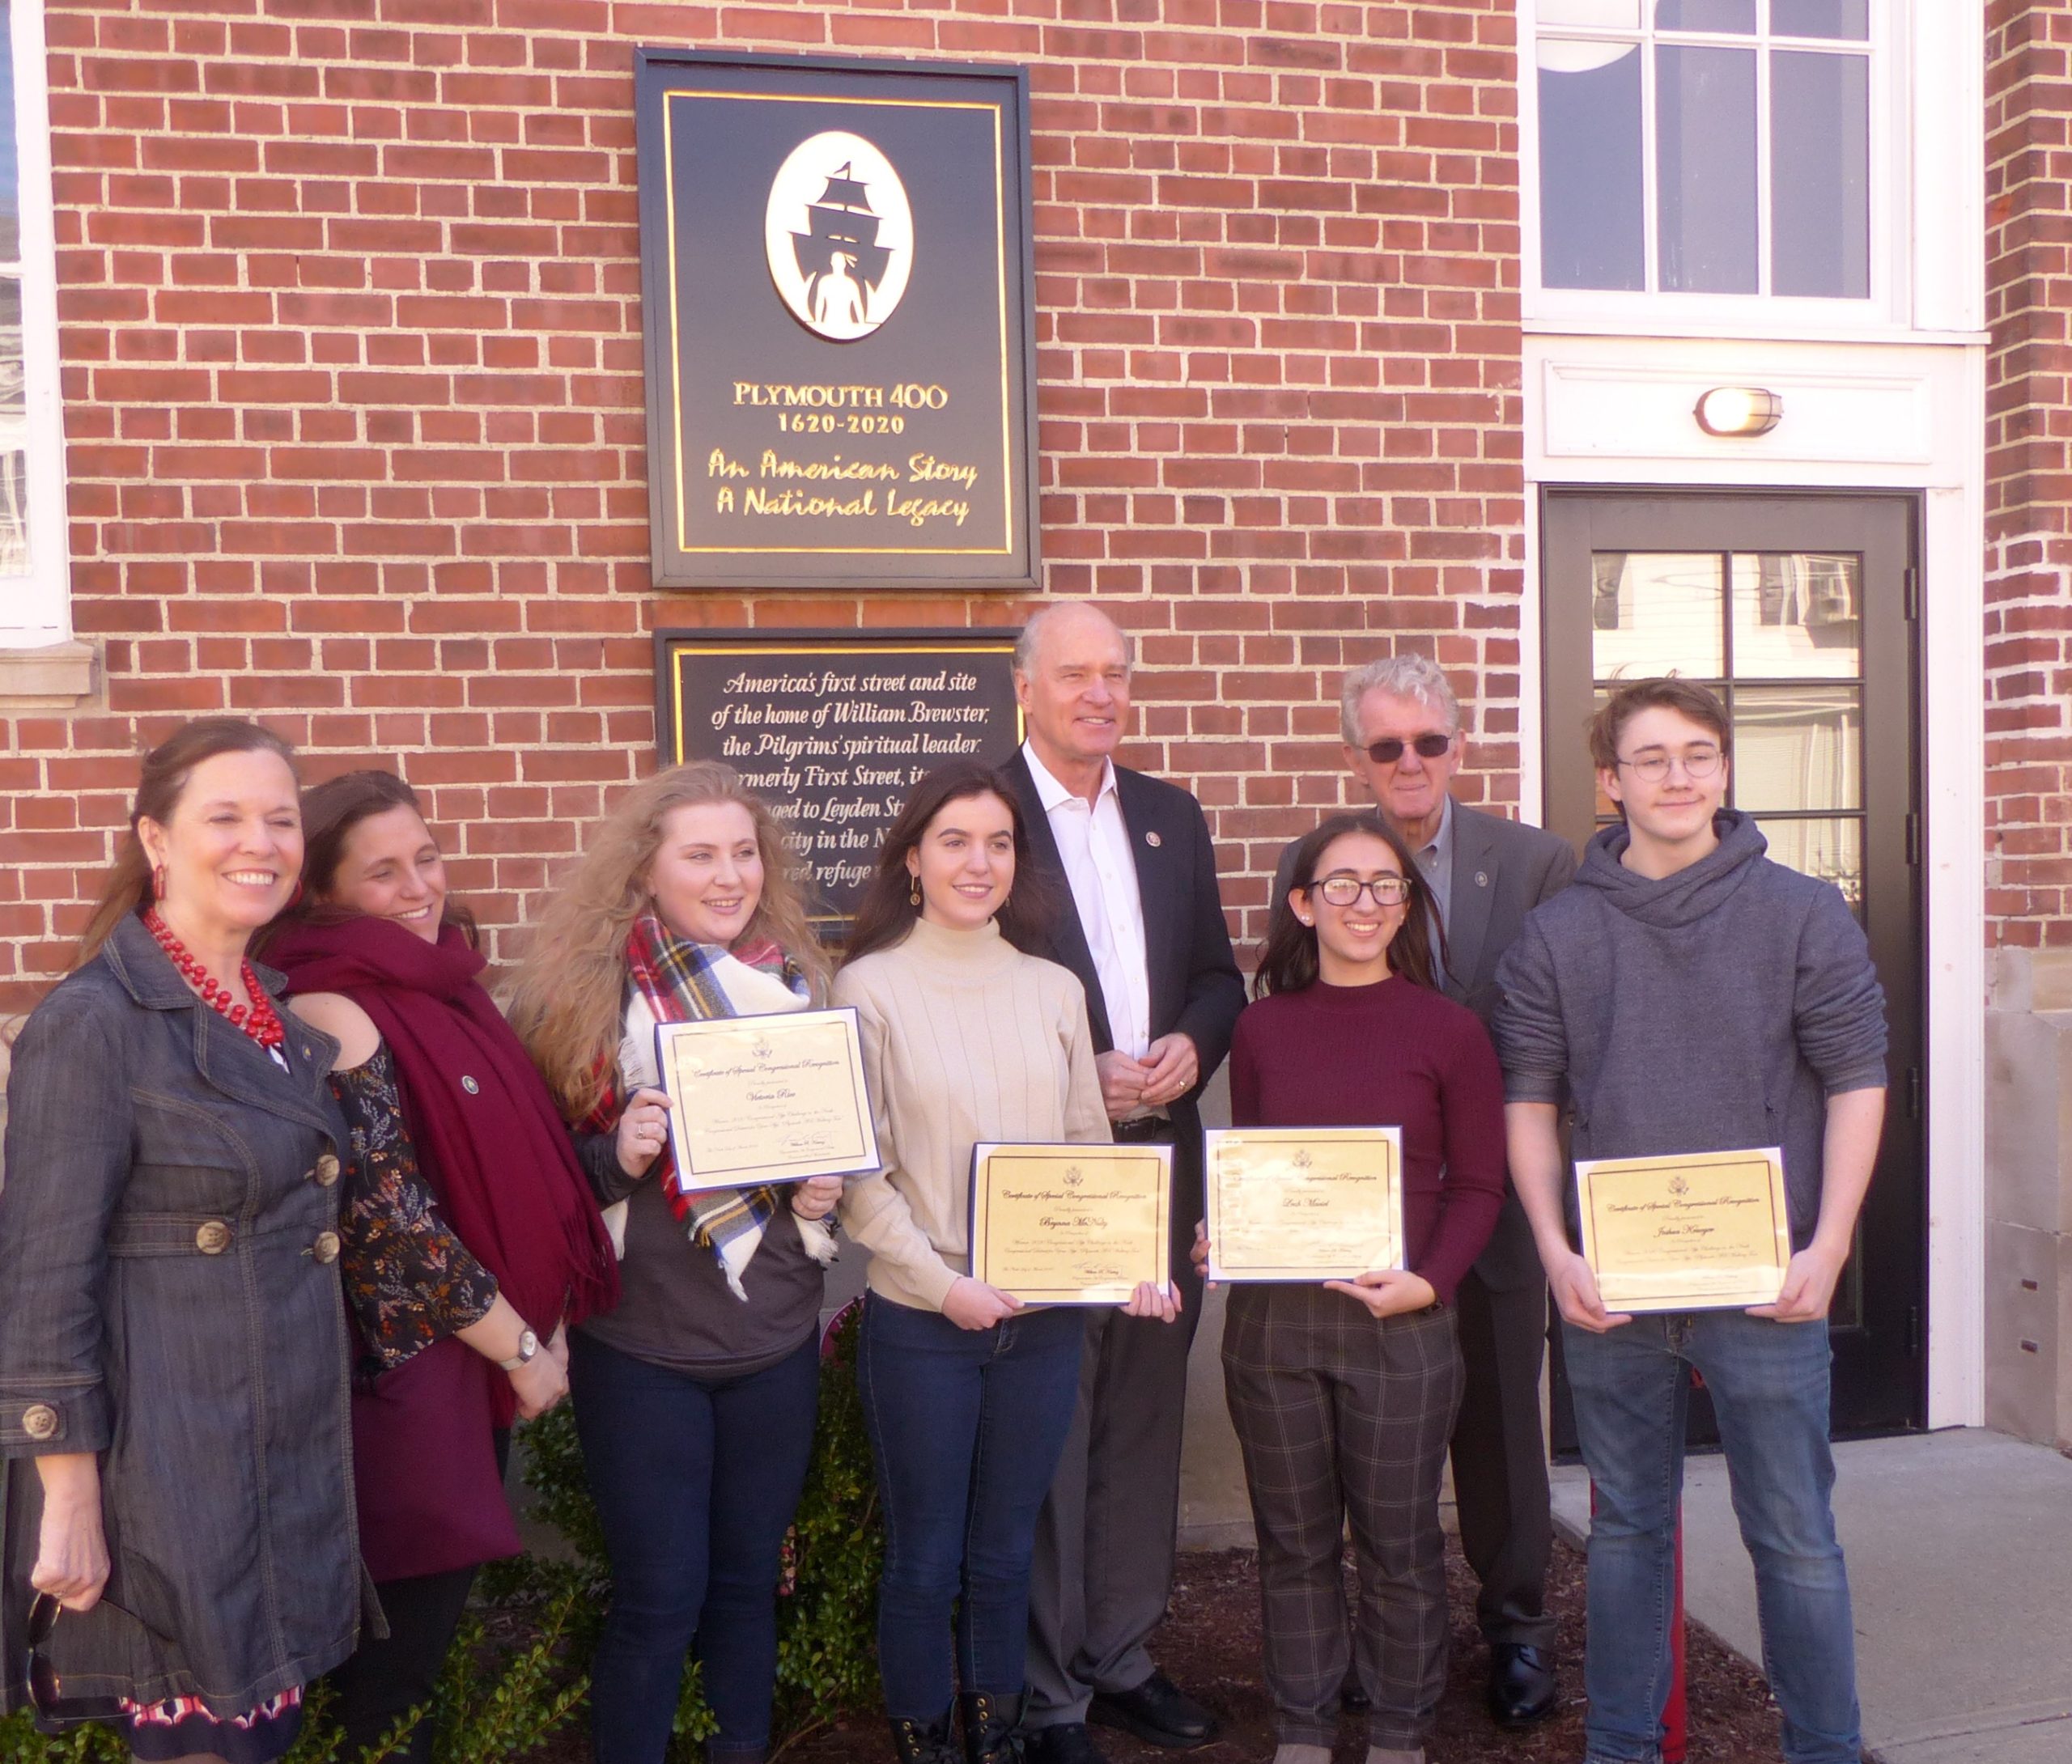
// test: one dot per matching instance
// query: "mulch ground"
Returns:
(1210, 1646)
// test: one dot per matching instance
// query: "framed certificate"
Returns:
(1706, 1232)
(767, 1099)
(1304, 1203)
(1071, 1224)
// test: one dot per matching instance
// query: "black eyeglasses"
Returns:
(1388, 750)
(46, 1689)
(1345, 890)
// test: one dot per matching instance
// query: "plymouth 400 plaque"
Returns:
(836, 277)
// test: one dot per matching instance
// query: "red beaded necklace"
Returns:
(258, 1020)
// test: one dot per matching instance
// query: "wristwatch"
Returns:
(528, 1344)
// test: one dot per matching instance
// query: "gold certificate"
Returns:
(1704, 1231)
(1071, 1224)
(767, 1099)
(1304, 1203)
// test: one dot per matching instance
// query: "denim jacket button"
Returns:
(40, 1421)
(325, 1249)
(212, 1239)
(327, 1170)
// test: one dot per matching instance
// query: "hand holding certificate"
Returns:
(1071, 1225)
(1304, 1203)
(767, 1099)
(1704, 1231)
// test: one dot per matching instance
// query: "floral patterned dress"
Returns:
(408, 1280)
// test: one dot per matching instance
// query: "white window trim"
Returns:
(1894, 51)
(35, 610)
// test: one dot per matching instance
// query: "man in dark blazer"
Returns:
(1402, 740)
(1141, 924)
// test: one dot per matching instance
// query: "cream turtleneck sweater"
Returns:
(965, 1040)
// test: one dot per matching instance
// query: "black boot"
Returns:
(925, 1742)
(993, 1728)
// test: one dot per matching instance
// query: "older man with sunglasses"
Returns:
(1402, 740)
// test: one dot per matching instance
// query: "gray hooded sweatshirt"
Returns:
(1714, 1010)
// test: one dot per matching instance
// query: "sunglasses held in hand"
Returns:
(47, 1695)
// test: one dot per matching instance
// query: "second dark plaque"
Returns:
(832, 728)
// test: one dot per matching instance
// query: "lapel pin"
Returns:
(469, 1085)
(1482, 879)
(1153, 839)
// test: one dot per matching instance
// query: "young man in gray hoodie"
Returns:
(1686, 994)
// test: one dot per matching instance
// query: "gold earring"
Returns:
(914, 891)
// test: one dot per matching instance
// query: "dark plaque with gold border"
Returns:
(831, 728)
(837, 287)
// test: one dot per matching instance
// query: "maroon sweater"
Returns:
(1391, 1055)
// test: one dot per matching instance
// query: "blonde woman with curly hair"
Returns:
(694, 1399)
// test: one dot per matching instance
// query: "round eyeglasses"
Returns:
(1698, 762)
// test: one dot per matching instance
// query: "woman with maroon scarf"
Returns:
(471, 1239)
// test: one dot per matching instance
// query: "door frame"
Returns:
(1903, 413)
(1894, 1390)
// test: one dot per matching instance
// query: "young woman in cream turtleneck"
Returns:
(967, 1394)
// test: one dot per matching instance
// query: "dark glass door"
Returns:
(1800, 610)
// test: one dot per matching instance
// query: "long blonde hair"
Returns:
(569, 996)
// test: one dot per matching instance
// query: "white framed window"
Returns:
(35, 600)
(1731, 163)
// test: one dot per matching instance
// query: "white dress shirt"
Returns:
(1094, 846)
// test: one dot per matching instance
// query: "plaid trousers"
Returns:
(1343, 1415)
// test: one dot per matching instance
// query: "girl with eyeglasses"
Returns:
(1342, 1392)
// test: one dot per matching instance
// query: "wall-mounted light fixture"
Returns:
(1740, 410)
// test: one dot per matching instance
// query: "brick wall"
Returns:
(2028, 565)
(351, 365)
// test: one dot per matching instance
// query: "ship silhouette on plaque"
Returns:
(842, 272)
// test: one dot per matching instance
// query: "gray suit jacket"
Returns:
(1502, 869)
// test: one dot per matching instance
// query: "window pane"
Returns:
(1831, 850)
(14, 513)
(1820, 174)
(1849, 19)
(1797, 616)
(1606, 15)
(1797, 748)
(1705, 168)
(1656, 612)
(10, 202)
(1706, 15)
(10, 347)
(1591, 233)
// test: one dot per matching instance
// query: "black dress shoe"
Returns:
(1522, 1686)
(1158, 1711)
(1069, 1743)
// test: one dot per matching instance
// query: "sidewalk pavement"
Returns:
(1959, 1548)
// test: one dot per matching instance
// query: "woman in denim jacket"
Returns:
(179, 1551)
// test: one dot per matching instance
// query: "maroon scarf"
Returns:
(489, 1139)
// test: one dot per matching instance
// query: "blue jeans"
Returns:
(695, 1484)
(1768, 1383)
(966, 1427)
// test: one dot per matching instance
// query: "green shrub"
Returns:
(519, 1670)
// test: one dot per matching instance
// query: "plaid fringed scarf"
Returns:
(671, 980)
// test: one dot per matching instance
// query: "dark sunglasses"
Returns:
(46, 1690)
(1388, 750)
